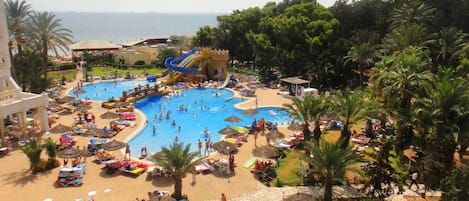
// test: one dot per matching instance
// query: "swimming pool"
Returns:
(204, 109)
(103, 91)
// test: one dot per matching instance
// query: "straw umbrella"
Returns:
(233, 119)
(265, 152)
(83, 107)
(295, 127)
(227, 131)
(94, 132)
(113, 145)
(250, 112)
(79, 91)
(273, 135)
(109, 115)
(66, 99)
(225, 147)
(161, 198)
(60, 129)
(70, 153)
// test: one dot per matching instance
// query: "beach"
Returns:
(16, 178)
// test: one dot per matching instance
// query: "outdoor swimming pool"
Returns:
(204, 109)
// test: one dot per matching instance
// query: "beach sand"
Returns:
(17, 182)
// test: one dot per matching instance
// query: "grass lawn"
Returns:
(103, 71)
(57, 75)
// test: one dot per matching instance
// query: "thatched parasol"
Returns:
(60, 129)
(70, 153)
(65, 112)
(120, 104)
(83, 107)
(265, 152)
(94, 132)
(79, 91)
(113, 145)
(109, 115)
(299, 197)
(233, 119)
(250, 112)
(66, 99)
(227, 131)
(272, 135)
(162, 198)
(222, 147)
(295, 127)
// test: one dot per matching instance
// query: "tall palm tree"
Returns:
(363, 54)
(17, 18)
(33, 151)
(309, 108)
(330, 162)
(400, 79)
(412, 13)
(177, 160)
(447, 45)
(350, 106)
(402, 37)
(51, 148)
(48, 34)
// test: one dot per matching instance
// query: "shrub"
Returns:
(140, 62)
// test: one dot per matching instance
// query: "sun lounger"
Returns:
(250, 163)
(237, 141)
(281, 144)
(204, 167)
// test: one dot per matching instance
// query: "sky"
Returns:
(161, 6)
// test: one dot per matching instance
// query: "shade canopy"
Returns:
(233, 119)
(66, 99)
(274, 135)
(294, 80)
(227, 131)
(94, 132)
(79, 91)
(70, 153)
(295, 127)
(60, 129)
(265, 152)
(89, 45)
(225, 147)
(113, 145)
(109, 115)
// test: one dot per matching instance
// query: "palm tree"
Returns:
(47, 34)
(412, 13)
(350, 106)
(447, 45)
(177, 160)
(402, 37)
(398, 80)
(51, 148)
(363, 54)
(309, 108)
(330, 162)
(17, 19)
(33, 151)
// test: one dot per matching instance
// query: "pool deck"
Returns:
(16, 180)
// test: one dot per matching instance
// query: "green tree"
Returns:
(363, 54)
(455, 186)
(51, 148)
(17, 18)
(350, 107)
(165, 53)
(330, 162)
(177, 160)
(30, 68)
(403, 37)
(397, 80)
(33, 150)
(48, 34)
(447, 45)
(308, 109)
(413, 12)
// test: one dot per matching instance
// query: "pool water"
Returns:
(103, 91)
(205, 109)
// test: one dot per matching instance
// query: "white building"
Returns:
(13, 102)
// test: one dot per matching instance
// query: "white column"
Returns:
(43, 118)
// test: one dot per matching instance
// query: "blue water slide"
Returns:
(169, 63)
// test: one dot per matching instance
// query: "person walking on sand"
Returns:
(414, 176)
(127, 151)
(255, 138)
(223, 197)
(199, 144)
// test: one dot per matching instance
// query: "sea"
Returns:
(119, 28)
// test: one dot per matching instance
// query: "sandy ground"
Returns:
(17, 183)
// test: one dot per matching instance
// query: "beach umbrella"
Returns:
(113, 145)
(273, 135)
(224, 146)
(265, 152)
(65, 112)
(79, 91)
(70, 153)
(120, 104)
(94, 132)
(250, 112)
(299, 197)
(295, 127)
(227, 131)
(83, 107)
(66, 99)
(60, 129)
(109, 115)
(233, 119)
